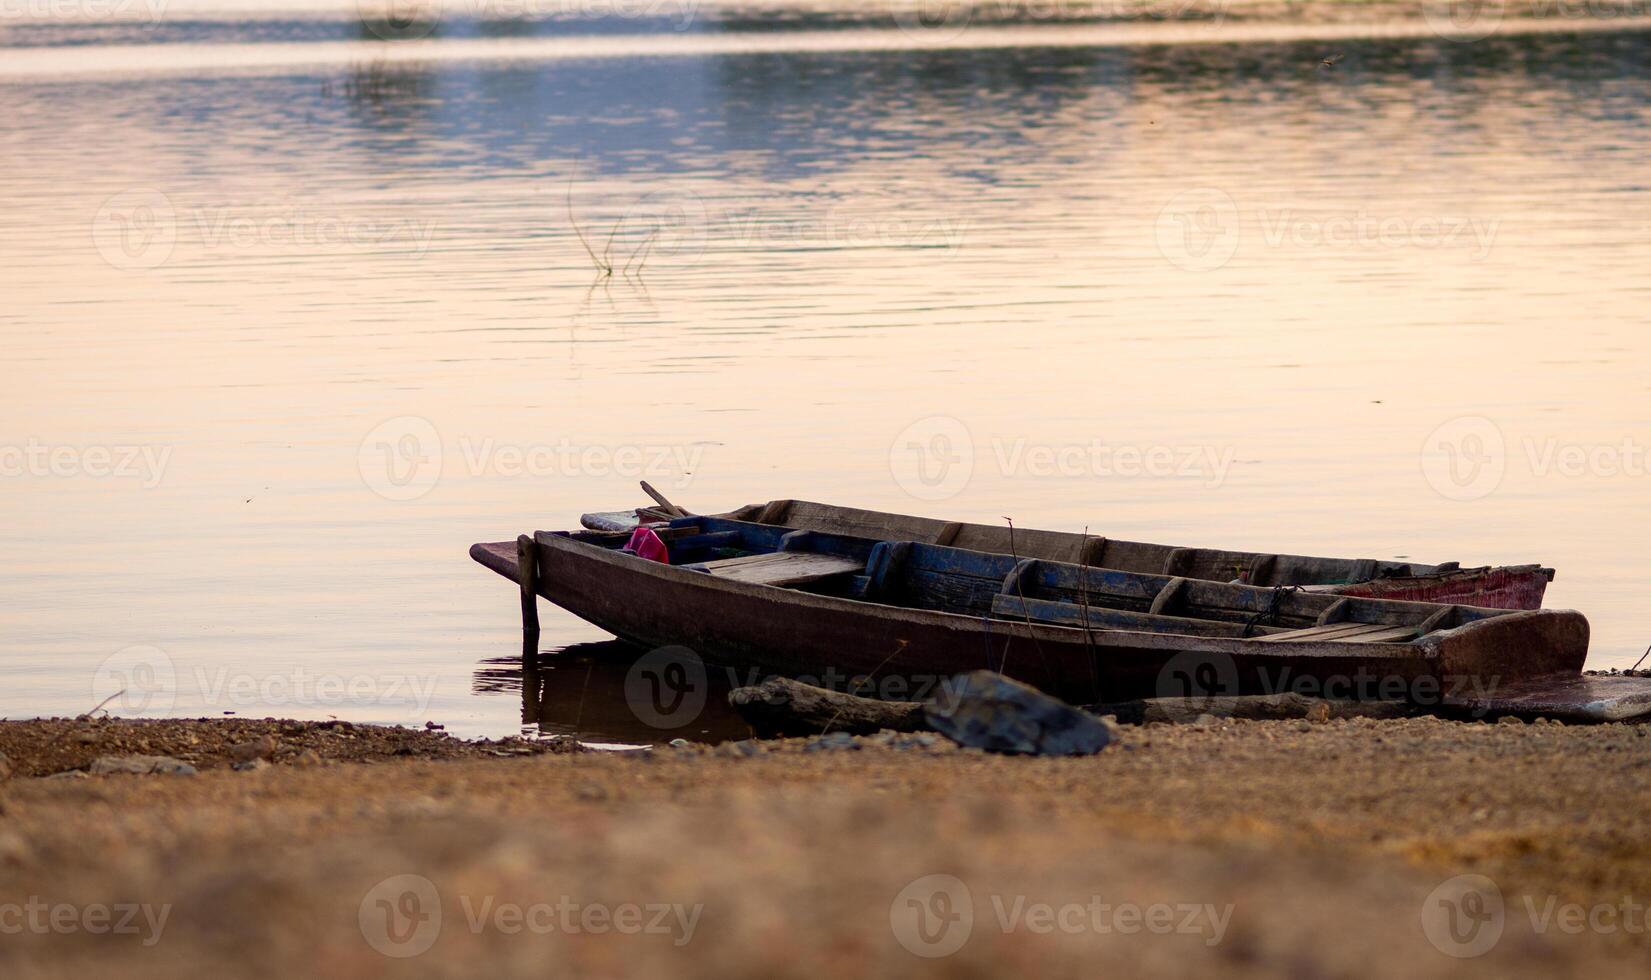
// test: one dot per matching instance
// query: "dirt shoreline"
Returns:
(1322, 841)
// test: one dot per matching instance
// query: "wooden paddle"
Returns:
(661, 500)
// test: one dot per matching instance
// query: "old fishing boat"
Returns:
(819, 604)
(1495, 587)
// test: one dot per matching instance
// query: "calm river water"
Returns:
(293, 315)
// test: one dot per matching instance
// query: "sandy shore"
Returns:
(1252, 848)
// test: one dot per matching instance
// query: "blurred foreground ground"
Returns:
(1244, 848)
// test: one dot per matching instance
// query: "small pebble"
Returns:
(834, 741)
(740, 750)
(14, 850)
(141, 765)
(918, 740)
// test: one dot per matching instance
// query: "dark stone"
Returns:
(986, 710)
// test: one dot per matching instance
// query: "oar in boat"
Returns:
(662, 501)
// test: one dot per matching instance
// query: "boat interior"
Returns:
(1214, 564)
(1004, 586)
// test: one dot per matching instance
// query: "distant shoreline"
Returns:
(1233, 27)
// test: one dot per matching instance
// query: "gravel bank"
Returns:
(1268, 848)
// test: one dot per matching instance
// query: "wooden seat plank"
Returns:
(1099, 618)
(1392, 634)
(782, 568)
(1331, 631)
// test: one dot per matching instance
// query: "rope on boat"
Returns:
(1020, 590)
(1271, 612)
(1641, 660)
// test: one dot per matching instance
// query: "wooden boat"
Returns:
(1504, 587)
(822, 606)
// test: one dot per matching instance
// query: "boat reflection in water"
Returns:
(615, 693)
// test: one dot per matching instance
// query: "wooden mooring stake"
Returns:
(527, 574)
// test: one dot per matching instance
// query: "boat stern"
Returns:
(1511, 648)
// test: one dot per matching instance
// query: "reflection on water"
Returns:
(344, 319)
(593, 690)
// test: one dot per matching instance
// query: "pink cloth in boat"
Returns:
(645, 543)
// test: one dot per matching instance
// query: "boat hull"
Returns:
(902, 652)
(1488, 588)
